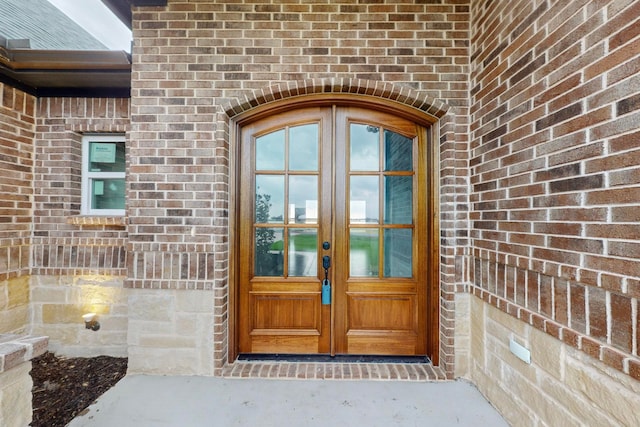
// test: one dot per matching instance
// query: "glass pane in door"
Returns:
(270, 151)
(303, 148)
(398, 152)
(269, 252)
(365, 147)
(303, 199)
(303, 252)
(363, 252)
(398, 199)
(398, 247)
(364, 200)
(269, 199)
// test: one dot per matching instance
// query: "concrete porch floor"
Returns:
(140, 400)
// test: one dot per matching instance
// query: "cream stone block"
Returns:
(477, 331)
(113, 323)
(603, 392)
(185, 327)
(463, 309)
(45, 280)
(499, 347)
(576, 405)
(152, 305)
(57, 306)
(4, 295)
(15, 320)
(63, 313)
(49, 294)
(547, 353)
(505, 402)
(186, 324)
(507, 321)
(137, 329)
(164, 362)
(103, 282)
(167, 341)
(604, 370)
(59, 334)
(535, 398)
(15, 396)
(97, 297)
(562, 386)
(195, 302)
(18, 291)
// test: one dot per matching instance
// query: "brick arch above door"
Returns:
(404, 96)
(451, 137)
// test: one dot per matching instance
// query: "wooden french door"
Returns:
(335, 251)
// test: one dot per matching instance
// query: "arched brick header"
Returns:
(252, 104)
(375, 89)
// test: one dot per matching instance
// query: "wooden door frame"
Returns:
(432, 309)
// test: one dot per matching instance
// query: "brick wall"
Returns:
(78, 262)
(197, 63)
(62, 244)
(17, 131)
(554, 170)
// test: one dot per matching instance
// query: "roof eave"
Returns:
(67, 73)
(122, 8)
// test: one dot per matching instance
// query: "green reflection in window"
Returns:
(269, 252)
(107, 194)
(303, 252)
(107, 157)
(269, 199)
(363, 252)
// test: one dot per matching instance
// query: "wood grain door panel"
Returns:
(381, 243)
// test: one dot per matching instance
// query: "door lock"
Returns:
(326, 284)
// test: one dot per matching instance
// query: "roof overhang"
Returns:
(72, 72)
(122, 8)
(67, 73)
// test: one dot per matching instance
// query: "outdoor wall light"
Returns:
(90, 321)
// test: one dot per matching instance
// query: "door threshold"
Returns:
(325, 358)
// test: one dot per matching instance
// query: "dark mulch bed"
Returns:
(64, 387)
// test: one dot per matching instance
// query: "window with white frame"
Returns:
(103, 175)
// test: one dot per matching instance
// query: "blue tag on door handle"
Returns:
(326, 292)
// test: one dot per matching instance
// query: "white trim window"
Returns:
(103, 175)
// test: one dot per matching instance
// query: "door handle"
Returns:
(326, 263)
(326, 284)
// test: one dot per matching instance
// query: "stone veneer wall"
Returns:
(16, 353)
(554, 164)
(197, 63)
(17, 132)
(562, 385)
(78, 262)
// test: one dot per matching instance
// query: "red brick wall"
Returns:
(196, 61)
(17, 131)
(554, 161)
(62, 244)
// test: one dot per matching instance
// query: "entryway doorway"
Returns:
(337, 249)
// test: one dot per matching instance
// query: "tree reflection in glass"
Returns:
(269, 260)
